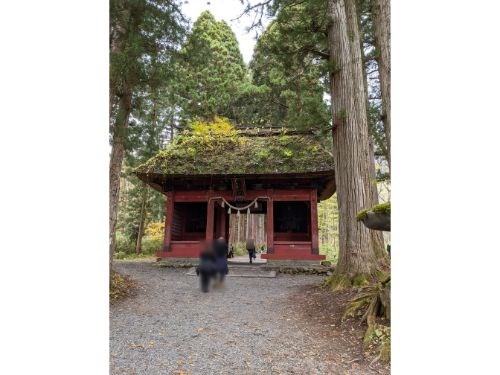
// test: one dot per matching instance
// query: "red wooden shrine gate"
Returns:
(194, 217)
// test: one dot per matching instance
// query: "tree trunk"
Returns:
(115, 166)
(382, 24)
(377, 236)
(350, 139)
(142, 219)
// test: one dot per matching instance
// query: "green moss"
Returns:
(338, 282)
(382, 275)
(385, 351)
(231, 152)
(361, 214)
(384, 208)
(361, 279)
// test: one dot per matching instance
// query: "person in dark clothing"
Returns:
(207, 268)
(251, 249)
(221, 251)
(231, 252)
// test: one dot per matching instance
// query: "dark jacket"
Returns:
(221, 254)
(220, 249)
(207, 262)
(250, 245)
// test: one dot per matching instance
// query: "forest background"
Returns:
(197, 71)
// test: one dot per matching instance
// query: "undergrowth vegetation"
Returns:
(372, 305)
(330, 251)
(151, 242)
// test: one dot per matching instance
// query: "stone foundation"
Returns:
(177, 262)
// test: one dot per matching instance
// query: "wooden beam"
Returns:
(278, 195)
(222, 222)
(270, 221)
(169, 216)
(314, 223)
(210, 219)
(291, 195)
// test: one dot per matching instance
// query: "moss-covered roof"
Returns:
(237, 153)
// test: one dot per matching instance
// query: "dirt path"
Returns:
(250, 326)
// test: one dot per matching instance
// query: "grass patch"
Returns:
(133, 256)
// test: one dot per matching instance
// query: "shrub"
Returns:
(120, 255)
(331, 252)
(124, 244)
(240, 249)
(155, 230)
(151, 244)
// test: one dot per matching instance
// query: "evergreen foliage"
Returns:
(290, 69)
(211, 74)
(144, 37)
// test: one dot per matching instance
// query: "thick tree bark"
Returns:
(382, 23)
(350, 139)
(142, 219)
(377, 236)
(115, 167)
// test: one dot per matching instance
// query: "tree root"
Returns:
(341, 281)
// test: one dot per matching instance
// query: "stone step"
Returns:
(240, 271)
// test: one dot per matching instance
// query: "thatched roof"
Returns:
(240, 154)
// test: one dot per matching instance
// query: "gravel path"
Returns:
(249, 326)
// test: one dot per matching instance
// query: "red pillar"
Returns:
(270, 222)
(210, 220)
(221, 218)
(314, 222)
(169, 216)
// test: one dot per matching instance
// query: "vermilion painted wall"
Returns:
(281, 246)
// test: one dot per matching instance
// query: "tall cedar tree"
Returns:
(141, 32)
(211, 71)
(291, 83)
(350, 139)
(151, 115)
(350, 128)
(374, 115)
(382, 24)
